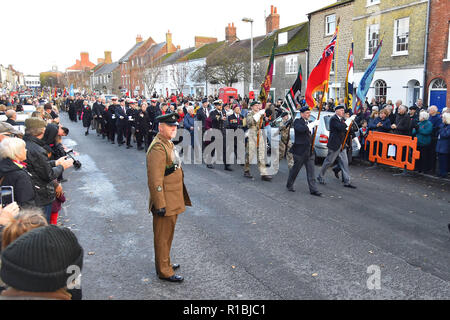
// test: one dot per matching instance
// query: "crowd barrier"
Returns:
(393, 150)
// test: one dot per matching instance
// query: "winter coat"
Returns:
(57, 204)
(423, 133)
(87, 116)
(19, 178)
(43, 171)
(443, 143)
(386, 127)
(403, 123)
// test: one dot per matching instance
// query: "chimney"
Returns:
(200, 41)
(108, 59)
(169, 45)
(84, 58)
(138, 38)
(273, 20)
(230, 33)
(100, 60)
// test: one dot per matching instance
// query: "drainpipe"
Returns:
(425, 65)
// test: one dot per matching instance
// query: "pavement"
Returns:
(250, 239)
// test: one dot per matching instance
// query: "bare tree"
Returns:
(151, 76)
(228, 66)
(180, 73)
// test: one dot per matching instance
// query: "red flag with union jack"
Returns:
(318, 79)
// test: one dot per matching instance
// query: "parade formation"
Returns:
(220, 135)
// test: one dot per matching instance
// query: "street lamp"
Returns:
(251, 51)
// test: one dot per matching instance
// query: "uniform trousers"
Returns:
(299, 161)
(163, 230)
(341, 156)
(255, 149)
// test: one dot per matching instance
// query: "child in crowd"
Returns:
(56, 207)
(363, 132)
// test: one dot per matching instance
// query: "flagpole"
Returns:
(336, 63)
(318, 118)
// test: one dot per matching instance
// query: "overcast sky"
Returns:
(39, 34)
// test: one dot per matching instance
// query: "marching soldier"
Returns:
(131, 117)
(168, 194)
(338, 131)
(111, 118)
(256, 145)
(235, 122)
(143, 127)
(121, 121)
(302, 151)
(219, 122)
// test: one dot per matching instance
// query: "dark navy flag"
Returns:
(293, 97)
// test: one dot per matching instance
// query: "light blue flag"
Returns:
(71, 93)
(367, 78)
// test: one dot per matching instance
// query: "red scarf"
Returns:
(20, 163)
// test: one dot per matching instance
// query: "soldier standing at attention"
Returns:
(168, 194)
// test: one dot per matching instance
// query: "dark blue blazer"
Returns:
(302, 142)
(338, 130)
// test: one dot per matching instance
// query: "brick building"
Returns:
(402, 25)
(125, 66)
(80, 73)
(438, 54)
(322, 24)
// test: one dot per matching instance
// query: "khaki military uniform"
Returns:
(167, 190)
(286, 145)
(252, 148)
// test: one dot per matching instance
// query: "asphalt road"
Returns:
(249, 239)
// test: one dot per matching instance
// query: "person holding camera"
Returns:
(44, 172)
(13, 171)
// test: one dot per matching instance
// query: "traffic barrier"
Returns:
(393, 150)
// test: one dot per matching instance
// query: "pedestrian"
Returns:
(44, 173)
(143, 127)
(402, 125)
(60, 198)
(168, 194)
(302, 151)
(436, 121)
(443, 145)
(338, 131)
(219, 122)
(131, 126)
(13, 171)
(423, 131)
(188, 123)
(86, 116)
(39, 264)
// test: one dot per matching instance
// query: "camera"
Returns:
(76, 163)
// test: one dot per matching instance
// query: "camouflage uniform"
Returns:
(251, 149)
(286, 144)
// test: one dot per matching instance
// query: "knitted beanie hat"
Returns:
(38, 261)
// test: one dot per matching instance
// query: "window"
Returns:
(330, 24)
(401, 36)
(380, 90)
(373, 33)
(439, 84)
(448, 50)
(291, 64)
(282, 38)
(333, 65)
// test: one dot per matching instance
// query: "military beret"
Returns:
(284, 114)
(339, 107)
(170, 119)
(35, 123)
(254, 103)
(204, 100)
(304, 109)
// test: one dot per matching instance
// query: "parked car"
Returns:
(323, 133)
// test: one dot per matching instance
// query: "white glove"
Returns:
(262, 112)
(257, 116)
(353, 117)
(121, 117)
(348, 122)
(313, 124)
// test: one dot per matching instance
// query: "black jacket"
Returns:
(201, 116)
(87, 116)
(303, 137)
(20, 180)
(143, 124)
(120, 113)
(338, 130)
(403, 123)
(43, 171)
(235, 123)
(11, 122)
